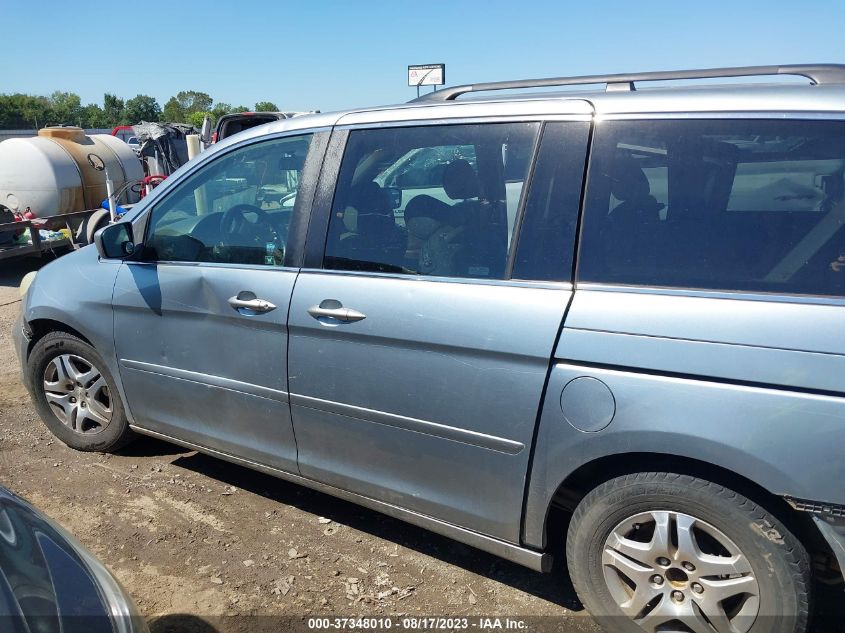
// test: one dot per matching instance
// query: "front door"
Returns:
(419, 352)
(201, 322)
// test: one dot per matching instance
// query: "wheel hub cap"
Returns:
(78, 394)
(666, 569)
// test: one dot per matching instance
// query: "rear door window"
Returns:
(745, 205)
(429, 200)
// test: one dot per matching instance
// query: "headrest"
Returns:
(291, 161)
(460, 180)
(424, 214)
(628, 182)
(368, 197)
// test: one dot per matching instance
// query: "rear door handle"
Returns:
(346, 315)
(254, 304)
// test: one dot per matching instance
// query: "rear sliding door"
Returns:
(420, 345)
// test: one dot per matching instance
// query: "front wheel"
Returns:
(670, 552)
(75, 395)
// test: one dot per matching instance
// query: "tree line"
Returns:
(21, 111)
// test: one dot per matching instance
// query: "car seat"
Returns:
(631, 231)
(484, 239)
(368, 231)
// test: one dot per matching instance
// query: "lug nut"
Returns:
(697, 588)
(677, 596)
(688, 566)
(657, 579)
(73, 399)
(663, 562)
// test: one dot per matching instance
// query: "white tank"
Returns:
(50, 173)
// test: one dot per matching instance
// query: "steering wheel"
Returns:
(259, 233)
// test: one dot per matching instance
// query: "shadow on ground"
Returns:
(13, 270)
(146, 446)
(180, 623)
(554, 587)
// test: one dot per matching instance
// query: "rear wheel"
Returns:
(75, 395)
(669, 552)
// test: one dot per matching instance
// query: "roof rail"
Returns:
(816, 73)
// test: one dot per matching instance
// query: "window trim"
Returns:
(729, 295)
(319, 137)
(523, 283)
(710, 115)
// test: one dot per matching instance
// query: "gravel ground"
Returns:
(197, 541)
(210, 547)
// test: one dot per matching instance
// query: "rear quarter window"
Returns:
(744, 205)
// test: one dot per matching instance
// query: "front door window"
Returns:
(235, 210)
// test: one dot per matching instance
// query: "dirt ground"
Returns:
(206, 546)
(197, 541)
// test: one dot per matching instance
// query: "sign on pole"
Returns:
(426, 75)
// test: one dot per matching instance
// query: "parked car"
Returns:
(235, 122)
(49, 582)
(619, 311)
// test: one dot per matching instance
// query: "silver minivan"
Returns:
(609, 323)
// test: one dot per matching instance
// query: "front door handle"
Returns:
(248, 301)
(336, 311)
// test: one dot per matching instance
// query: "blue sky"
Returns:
(326, 55)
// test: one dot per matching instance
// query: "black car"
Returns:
(230, 124)
(49, 582)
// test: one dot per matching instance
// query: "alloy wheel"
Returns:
(78, 394)
(670, 571)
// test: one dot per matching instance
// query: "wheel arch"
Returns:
(43, 324)
(589, 475)
(41, 327)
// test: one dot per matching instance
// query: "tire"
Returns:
(91, 224)
(75, 395)
(620, 526)
(95, 222)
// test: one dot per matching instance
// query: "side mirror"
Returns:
(115, 241)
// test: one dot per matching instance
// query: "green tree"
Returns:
(219, 110)
(196, 118)
(35, 110)
(20, 111)
(141, 108)
(266, 106)
(177, 109)
(93, 116)
(65, 108)
(193, 101)
(113, 109)
(240, 108)
(173, 111)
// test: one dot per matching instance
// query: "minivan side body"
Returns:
(473, 389)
